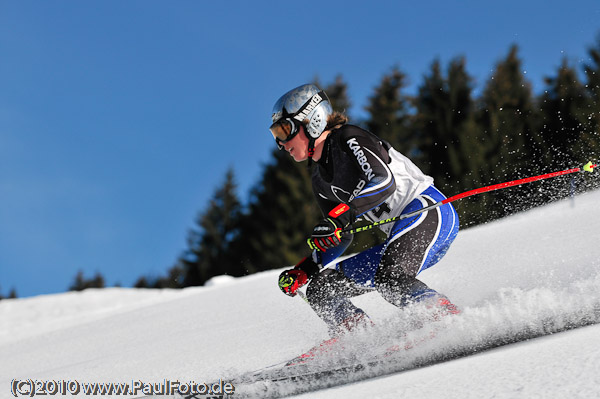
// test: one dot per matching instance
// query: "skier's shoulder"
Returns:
(348, 131)
(349, 136)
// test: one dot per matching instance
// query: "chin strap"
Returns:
(311, 151)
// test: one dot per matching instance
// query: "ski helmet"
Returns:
(304, 103)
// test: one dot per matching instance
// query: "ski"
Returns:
(282, 380)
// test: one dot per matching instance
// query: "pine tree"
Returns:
(510, 143)
(565, 111)
(208, 245)
(430, 123)
(449, 135)
(11, 295)
(592, 73)
(590, 139)
(508, 119)
(280, 216)
(337, 92)
(142, 282)
(81, 283)
(388, 112)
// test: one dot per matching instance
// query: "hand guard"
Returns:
(291, 280)
(327, 234)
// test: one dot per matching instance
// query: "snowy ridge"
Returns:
(522, 277)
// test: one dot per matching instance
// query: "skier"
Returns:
(356, 174)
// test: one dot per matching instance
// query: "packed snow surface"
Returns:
(535, 271)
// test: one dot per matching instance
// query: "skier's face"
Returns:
(298, 146)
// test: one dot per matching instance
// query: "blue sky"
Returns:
(118, 119)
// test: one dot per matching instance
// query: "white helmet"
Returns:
(303, 103)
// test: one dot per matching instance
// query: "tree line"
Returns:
(462, 140)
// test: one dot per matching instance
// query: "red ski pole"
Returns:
(588, 167)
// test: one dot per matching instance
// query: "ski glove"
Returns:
(327, 234)
(291, 280)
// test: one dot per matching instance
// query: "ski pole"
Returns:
(303, 296)
(588, 167)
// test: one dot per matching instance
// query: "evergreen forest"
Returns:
(463, 140)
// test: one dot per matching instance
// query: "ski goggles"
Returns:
(284, 130)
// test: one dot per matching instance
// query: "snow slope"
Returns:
(537, 271)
